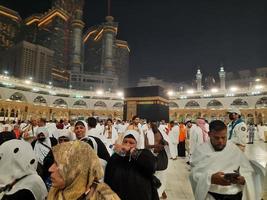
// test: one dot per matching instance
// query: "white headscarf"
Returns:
(85, 125)
(19, 162)
(41, 150)
(134, 133)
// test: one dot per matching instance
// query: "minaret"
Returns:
(222, 78)
(109, 33)
(199, 80)
(77, 26)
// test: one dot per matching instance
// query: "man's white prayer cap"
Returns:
(234, 110)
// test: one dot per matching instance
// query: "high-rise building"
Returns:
(50, 30)
(10, 22)
(26, 60)
(105, 54)
(97, 55)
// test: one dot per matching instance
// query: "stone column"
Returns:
(109, 32)
(77, 26)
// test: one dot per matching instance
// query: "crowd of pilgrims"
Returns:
(102, 160)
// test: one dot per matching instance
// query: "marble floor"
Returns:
(178, 185)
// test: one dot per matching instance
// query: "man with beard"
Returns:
(237, 129)
(136, 125)
(221, 171)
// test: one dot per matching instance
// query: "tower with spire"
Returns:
(77, 26)
(109, 34)
(104, 53)
(199, 80)
(222, 77)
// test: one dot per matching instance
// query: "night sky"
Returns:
(170, 38)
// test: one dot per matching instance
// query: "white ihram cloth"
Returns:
(174, 136)
(109, 142)
(100, 128)
(196, 137)
(151, 139)
(141, 144)
(41, 150)
(167, 139)
(206, 161)
(52, 129)
(161, 175)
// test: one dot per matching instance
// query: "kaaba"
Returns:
(149, 103)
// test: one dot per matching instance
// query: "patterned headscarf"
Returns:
(79, 166)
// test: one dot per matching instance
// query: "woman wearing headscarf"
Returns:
(82, 134)
(129, 171)
(18, 176)
(76, 172)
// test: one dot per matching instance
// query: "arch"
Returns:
(250, 118)
(188, 116)
(60, 103)
(205, 116)
(192, 104)
(250, 115)
(2, 112)
(40, 100)
(118, 105)
(260, 118)
(174, 116)
(240, 103)
(181, 118)
(100, 104)
(214, 104)
(80, 104)
(261, 103)
(17, 96)
(12, 113)
(173, 105)
(213, 117)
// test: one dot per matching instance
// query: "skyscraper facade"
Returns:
(10, 22)
(78, 55)
(27, 60)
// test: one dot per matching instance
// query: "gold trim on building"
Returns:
(48, 17)
(98, 35)
(157, 98)
(88, 35)
(10, 15)
(123, 46)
